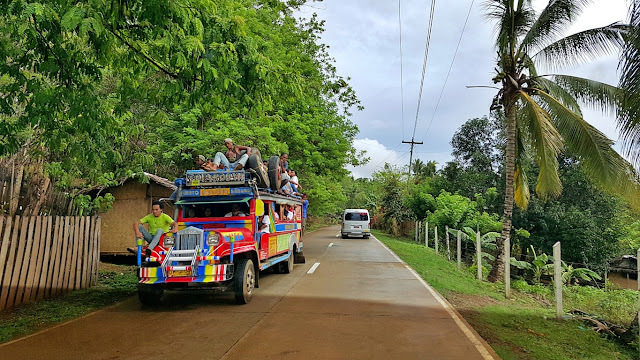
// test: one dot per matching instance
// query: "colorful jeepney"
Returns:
(224, 238)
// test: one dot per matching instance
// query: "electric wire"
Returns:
(388, 155)
(401, 70)
(424, 66)
(450, 67)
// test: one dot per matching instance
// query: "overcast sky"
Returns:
(363, 36)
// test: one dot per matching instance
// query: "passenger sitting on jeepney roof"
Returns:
(235, 211)
(204, 163)
(288, 189)
(293, 179)
(233, 158)
(284, 166)
(159, 223)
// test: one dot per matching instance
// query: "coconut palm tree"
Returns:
(629, 110)
(542, 112)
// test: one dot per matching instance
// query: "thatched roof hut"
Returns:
(132, 202)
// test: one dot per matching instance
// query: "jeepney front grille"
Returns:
(189, 239)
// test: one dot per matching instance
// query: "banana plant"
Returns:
(540, 265)
(571, 275)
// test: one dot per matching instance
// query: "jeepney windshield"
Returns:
(205, 210)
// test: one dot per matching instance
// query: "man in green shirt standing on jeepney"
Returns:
(159, 223)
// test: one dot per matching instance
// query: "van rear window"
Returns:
(356, 217)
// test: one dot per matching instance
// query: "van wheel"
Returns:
(275, 177)
(244, 281)
(345, 236)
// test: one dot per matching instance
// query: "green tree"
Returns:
(103, 88)
(541, 112)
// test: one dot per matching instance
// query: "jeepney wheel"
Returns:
(287, 267)
(275, 177)
(150, 295)
(244, 281)
(255, 163)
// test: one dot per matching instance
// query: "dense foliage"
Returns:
(102, 89)
(593, 226)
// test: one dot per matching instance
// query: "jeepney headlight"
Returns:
(213, 239)
(169, 240)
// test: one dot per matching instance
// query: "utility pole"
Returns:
(411, 154)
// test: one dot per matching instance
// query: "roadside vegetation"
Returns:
(115, 283)
(524, 326)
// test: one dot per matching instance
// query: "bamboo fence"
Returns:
(44, 256)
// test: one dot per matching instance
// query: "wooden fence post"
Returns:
(479, 255)
(415, 236)
(459, 247)
(426, 233)
(435, 238)
(507, 268)
(446, 231)
(557, 278)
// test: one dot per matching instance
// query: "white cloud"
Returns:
(378, 155)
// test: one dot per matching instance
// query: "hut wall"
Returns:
(133, 202)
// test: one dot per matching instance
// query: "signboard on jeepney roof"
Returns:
(208, 178)
(217, 192)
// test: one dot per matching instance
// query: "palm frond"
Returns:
(601, 162)
(557, 92)
(521, 191)
(511, 23)
(596, 95)
(553, 21)
(629, 114)
(547, 143)
(582, 47)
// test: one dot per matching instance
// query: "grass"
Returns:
(114, 284)
(524, 326)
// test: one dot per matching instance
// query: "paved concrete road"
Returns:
(358, 302)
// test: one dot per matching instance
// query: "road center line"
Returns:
(331, 244)
(313, 268)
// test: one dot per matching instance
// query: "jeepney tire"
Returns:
(150, 295)
(244, 281)
(299, 258)
(287, 267)
(275, 177)
(254, 161)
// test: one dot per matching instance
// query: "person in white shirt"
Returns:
(290, 213)
(235, 211)
(264, 220)
(294, 180)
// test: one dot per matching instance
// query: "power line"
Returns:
(450, 67)
(424, 68)
(401, 72)
(388, 155)
(424, 65)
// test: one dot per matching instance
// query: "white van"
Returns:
(355, 222)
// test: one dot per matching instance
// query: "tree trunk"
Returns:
(15, 189)
(497, 272)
